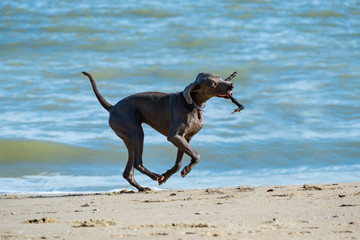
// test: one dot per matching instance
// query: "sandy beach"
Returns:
(321, 211)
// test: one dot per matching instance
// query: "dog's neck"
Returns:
(199, 103)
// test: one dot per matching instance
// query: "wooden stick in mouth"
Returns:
(240, 107)
(231, 77)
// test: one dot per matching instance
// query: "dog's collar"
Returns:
(200, 109)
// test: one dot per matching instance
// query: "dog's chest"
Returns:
(195, 122)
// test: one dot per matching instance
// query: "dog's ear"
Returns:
(188, 90)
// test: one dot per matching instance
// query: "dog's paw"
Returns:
(157, 177)
(163, 180)
(160, 178)
(185, 171)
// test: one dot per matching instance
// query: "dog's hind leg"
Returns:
(138, 144)
(129, 169)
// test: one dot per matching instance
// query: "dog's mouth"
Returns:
(226, 96)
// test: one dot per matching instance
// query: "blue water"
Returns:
(298, 65)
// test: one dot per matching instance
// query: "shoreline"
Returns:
(326, 211)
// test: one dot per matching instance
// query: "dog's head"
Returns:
(206, 86)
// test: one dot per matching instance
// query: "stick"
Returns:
(240, 107)
(231, 77)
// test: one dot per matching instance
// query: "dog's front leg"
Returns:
(183, 145)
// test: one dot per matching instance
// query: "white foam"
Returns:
(57, 183)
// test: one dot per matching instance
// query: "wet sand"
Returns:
(321, 211)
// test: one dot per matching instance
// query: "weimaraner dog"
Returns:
(178, 116)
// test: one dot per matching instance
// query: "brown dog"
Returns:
(178, 116)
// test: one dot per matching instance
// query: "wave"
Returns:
(150, 13)
(57, 183)
(321, 14)
(33, 151)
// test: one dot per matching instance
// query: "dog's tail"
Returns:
(102, 101)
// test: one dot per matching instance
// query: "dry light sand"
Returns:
(323, 211)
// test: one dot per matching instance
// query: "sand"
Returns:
(322, 211)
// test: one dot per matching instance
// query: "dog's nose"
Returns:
(231, 86)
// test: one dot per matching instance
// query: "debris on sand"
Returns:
(41, 220)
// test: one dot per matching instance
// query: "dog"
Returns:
(178, 116)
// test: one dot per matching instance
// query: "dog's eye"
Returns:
(214, 84)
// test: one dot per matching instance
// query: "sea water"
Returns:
(298, 65)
